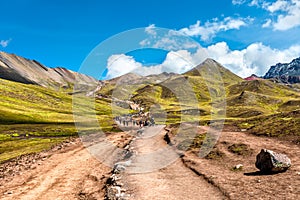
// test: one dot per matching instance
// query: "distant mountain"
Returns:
(211, 69)
(133, 78)
(286, 72)
(126, 78)
(252, 77)
(19, 69)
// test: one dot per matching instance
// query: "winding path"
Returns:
(157, 172)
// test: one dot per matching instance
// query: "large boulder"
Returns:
(268, 161)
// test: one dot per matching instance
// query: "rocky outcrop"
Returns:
(19, 69)
(285, 72)
(268, 161)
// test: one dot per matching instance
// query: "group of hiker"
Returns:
(140, 119)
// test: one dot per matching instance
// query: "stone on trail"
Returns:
(268, 161)
(238, 167)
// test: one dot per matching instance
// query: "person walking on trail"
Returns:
(152, 121)
(141, 123)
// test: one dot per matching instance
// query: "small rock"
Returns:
(269, 161)
(239, 166)
(258, 181)
(113, 192)
(8, 192)
(118, 168)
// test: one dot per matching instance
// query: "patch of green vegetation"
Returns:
(13, 148)
(277, 125)
(215, 154)
(19, 139)
(240, 149)
(265, 87)
(237, 169)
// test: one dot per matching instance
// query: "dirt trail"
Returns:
(157, 172)
(167, 177)
(67, 175)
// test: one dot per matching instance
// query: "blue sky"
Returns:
(246, 36)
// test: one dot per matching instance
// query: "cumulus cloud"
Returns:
(279, 5)
(4, 43)
(286, 13)
(170, 40)
(291, 17)
(254, 59)
(267, 23)
(121, 64)
(210, 28)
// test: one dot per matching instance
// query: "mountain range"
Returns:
(19, 69)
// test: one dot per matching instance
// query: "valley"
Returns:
(51, 131)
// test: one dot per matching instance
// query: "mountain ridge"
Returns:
(285, 72)
(23, 70)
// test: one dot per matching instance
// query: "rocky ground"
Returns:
(247, 182)
(69, 171)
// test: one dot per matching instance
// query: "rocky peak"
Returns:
(285, 72)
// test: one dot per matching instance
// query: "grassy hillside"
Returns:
(34, 118)
(244, 99)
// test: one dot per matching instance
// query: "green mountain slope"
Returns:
(33, 118)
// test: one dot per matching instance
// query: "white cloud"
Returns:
(174, 40)
(291, 18)
(238, 2)
(254, 59)
(279, 5)
(120, 64)
(267, 23)
(151, 30)
(175, 43)
(210, 28)
(169, 40)
(4, 43)
(254, 3)
(285, 12)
